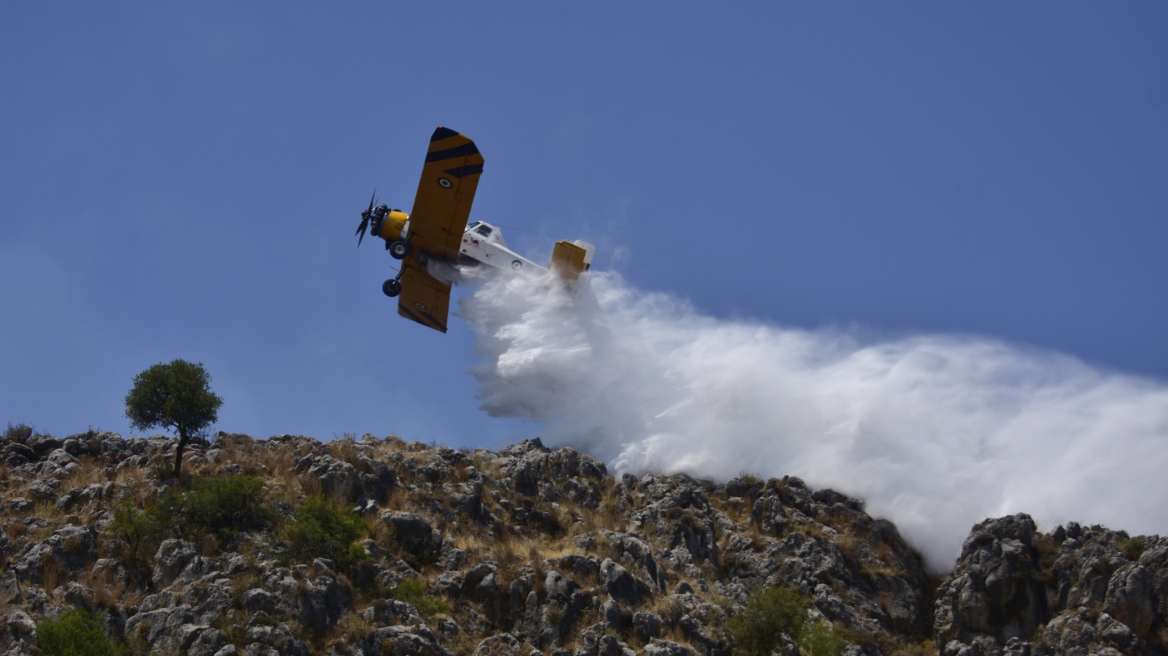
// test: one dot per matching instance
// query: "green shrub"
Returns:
(75, 633)
(820, 639)
(769, 613)
(226, 506)
(1132, 548)
(217, 506)
(411, 592)
(323, 528)
(220, 506)
(142, 531)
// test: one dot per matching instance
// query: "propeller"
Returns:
(365, 216)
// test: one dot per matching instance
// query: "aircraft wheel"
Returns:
(399, 250)
(391, 287)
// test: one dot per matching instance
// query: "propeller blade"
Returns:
(365, 218)
(361, 231)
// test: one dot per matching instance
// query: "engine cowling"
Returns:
(393, 226)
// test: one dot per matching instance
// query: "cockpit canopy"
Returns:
(486, 231)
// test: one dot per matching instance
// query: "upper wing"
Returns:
(423, 298)
(445, 193)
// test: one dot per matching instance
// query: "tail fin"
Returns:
(572, 260)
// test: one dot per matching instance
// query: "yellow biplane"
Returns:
(434, 241)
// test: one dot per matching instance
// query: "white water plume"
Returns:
(934, 432)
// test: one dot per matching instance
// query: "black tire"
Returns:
(391, 287)
(400, 250)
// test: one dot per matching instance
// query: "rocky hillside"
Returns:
(381, 547)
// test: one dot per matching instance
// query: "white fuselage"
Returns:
(483, 243)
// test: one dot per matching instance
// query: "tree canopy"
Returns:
(176, 396)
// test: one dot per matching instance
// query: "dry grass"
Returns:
(87, 471)
(592, 520)
(886, 565)
(16, 529)
(42, 531)
(381, 533)
(344, 450)
(49, 571)
(464, 642)
(896, 646)
(871, 572)
(850, 547)
(349, 631)
(488, 466)
(461, 473)
(469, 539)
(280, 458)
(396, 498)
(135, 479)
(48, 510)
(109, 592)
(309, 485)
(132, 476)
(241, 584)
(814, 530)
(391, 444)
(232, 624)
(228, 452)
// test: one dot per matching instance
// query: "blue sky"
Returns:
(184, 180)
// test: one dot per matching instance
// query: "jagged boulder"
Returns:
(63, 555)
(503, 644)
(414, 534)
(995, 589)
(666, 648)
(403, 641)
(162, 628)
(1074, 591)
(172, 557)
(1130, 598)
(315, 602)
(533, 470)
(619, 583)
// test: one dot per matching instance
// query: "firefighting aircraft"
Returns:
(434, 240)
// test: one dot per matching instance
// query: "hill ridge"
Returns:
(519, 551)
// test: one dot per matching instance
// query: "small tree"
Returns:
(177, 396)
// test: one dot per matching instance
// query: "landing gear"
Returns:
(391, 287)
(400, 250)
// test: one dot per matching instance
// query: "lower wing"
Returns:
(424, 298)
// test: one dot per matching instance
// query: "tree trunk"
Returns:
(182, 442)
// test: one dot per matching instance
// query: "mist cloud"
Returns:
(934, 432)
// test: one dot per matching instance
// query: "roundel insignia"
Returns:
(419, 305)
(516, 264)
(445, 183)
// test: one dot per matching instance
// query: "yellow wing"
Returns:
(445, 193)
(423, 298)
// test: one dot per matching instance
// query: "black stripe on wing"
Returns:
(443, 133)
(464, 171)
(464, 150)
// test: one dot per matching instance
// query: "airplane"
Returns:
(434, 240)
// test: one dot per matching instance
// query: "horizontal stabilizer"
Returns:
(572, 260)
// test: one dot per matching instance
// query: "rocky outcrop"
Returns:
(531, 550)
(1075, 590)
